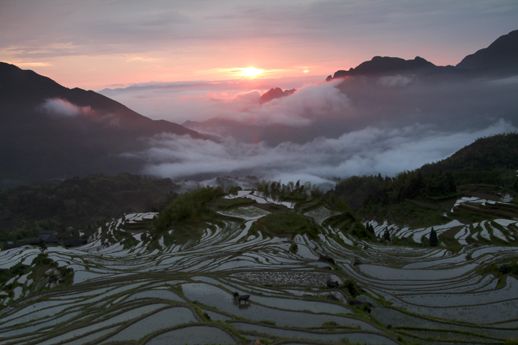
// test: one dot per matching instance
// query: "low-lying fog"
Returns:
(325, 130)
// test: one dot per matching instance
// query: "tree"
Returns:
(434, 241)
(386, 235)
(370, 228)
(43, 246)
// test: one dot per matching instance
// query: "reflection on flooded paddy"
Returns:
(193, 335)
(178, 293)
(162, 319)
(389, 273)
(215, 297)
(334, 336)
(295, 304)
(125, 316)
(165, 294)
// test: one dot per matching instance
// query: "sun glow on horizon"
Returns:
(250, 71)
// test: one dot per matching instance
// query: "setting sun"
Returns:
(250, 71)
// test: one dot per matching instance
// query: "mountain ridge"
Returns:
(499, 57)
(48, 130)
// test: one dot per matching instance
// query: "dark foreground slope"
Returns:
(49, 131)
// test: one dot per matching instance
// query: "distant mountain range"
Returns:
(501, 57)
(49, 131)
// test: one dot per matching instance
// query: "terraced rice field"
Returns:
(182, 294)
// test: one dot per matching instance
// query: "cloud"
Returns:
(368, 151)
(230, 108)
(193, 100)
(396, 80)
(235, 100)
(305, 105)
(57, 107)
(300, 109)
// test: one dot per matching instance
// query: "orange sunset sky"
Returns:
(102, 44)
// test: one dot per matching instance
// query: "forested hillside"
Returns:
(488, 164)
(497, 152)
(80, 203)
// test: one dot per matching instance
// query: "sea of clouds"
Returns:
(327, 131)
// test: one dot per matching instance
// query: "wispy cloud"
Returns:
(371, 150)
(57, 107)
(32, 64)
(199, 100)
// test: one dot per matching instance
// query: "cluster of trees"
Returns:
(492, 160)
(359, 191)
(290, 191)
(188, 206)
(81, 203)
(495, 178)
(414, 185)
(433, 240)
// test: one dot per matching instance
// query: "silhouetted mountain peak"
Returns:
(274, 93)
(501, 55)
(386, 65)
(499, 59)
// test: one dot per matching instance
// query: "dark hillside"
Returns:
(79, 203)
(486, 168)
(499, 56)
(82, 132)
(498, 152)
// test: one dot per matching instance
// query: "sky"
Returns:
(201, 60)
(100, 44)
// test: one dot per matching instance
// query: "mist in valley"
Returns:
(329, 130)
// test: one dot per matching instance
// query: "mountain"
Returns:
(50, 131)
(274, 93)
(385, 64)
(498, 152)
(499, 56)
